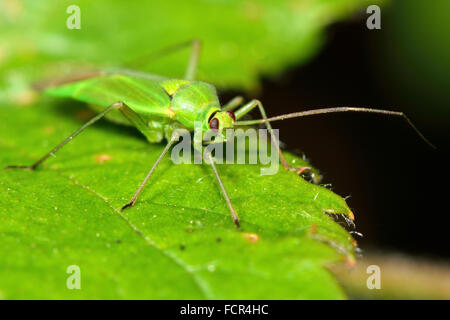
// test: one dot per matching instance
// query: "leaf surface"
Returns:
(177, 242)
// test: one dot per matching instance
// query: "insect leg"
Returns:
(173, 139)
(69, 138)
(256, 103)
(136, 120)
(224, 191)
(191, 69)
(149, 57)
(193, 60)
(233, 103)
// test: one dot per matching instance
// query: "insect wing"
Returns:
(143, 95)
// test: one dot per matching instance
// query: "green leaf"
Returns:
(177, 242)
(242, 40)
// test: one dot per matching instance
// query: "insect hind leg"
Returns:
(192, 66)
(115, 105)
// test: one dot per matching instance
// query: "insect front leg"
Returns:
(256, 103)
(115, 105)
(233, 103)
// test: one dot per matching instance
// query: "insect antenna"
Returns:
(336, 110)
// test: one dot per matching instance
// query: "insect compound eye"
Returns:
(231, 114)
(214, 124)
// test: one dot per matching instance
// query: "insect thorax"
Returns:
(192, 101)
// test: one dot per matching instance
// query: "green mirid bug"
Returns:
(159, 107)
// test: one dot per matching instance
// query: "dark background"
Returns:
(396, 182)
